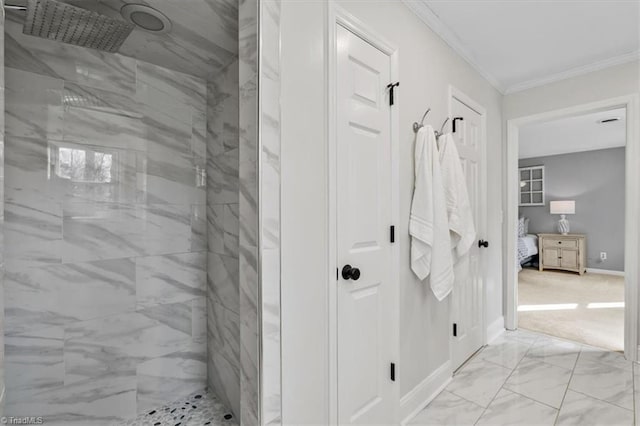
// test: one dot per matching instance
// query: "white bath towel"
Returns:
(459, 213)
(430, 241)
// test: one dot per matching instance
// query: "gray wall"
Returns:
(595, 180)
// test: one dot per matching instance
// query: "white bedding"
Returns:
(527, 247)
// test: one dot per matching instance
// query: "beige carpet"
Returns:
(587, 309)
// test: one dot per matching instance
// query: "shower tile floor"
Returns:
(198, 409)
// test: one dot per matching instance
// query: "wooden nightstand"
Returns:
(566, 252)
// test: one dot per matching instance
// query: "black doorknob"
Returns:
(349, 273)
(483, 243)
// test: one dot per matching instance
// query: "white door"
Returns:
(467, 298)
(365, 303)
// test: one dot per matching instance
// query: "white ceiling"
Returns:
(521, 44)
(573, 134)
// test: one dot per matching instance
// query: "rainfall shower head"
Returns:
(53, 20)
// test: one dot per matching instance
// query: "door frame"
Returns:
(455, 93)
(337, 16)
(632, 204)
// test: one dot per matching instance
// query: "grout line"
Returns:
(503, 383)
(601, 400)
(567, 388)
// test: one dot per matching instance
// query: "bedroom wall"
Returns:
(596, 181)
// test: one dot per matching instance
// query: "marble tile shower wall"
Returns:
(106, 242)
(2, 387)
(223, 310)
(259, 243)
(270, 208)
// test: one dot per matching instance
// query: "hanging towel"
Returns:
(430, 241)
(459, 214)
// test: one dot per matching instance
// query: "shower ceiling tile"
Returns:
(72, 63)
(202, 40)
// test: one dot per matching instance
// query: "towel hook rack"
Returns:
(440, 132)
(417, 126)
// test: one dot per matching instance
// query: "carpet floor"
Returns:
(587, 309)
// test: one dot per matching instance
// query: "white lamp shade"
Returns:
(563, 207)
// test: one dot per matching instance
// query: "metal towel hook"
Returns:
(417, 126)
(440, 133)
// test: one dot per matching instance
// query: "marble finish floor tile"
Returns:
(505, 352)
(555, 352)
(479, 381)
(578, 409)
(530, 379)
(602, 381)
(201, 408)
(542, 382)
(448, 409)
(509, 408)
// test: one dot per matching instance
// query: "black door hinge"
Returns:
(455, 329)
(393, 372)
(391, 87)
(392, 234)
(337, 276)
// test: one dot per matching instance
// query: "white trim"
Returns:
(414, 401)
(495, 329)
(426, 15)
(632, 209)
(605, 272)
(338, 16)
(431, 19)
(574, 72)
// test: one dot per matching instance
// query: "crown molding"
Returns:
(429, 17)
(422, 10)
(574, 72)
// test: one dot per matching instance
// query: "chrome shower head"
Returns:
(54, 20)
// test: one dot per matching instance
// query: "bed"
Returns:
(527, 249)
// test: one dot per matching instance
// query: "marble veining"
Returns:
(223, 293)
(597, 389)
(106, 233)
(2, 197)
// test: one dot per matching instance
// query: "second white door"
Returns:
(467, 297)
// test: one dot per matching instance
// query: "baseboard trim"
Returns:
(495, 329)
(606, 272)
(420, 396)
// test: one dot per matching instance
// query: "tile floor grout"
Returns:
(507, 349)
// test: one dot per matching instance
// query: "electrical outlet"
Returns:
(603, 255)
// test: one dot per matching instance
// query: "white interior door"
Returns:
(467, 298)
(365, 299)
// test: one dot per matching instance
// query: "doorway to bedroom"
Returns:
(571, 227)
